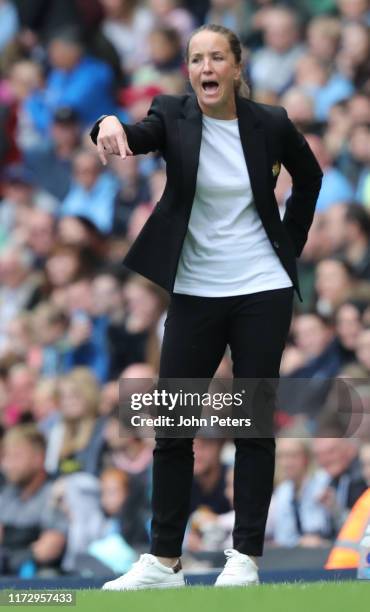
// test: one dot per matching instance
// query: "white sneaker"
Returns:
(239, 570)
(148, 573)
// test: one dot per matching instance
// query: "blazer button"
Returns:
(276, 244)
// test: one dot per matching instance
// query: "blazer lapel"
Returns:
(190, 128)
(253, 139)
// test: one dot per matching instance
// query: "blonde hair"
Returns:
(25, 433)
(241, 86)
(47, 386)
(326, 26)
(77, 433)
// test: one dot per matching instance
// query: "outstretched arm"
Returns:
(115, 138)
(306, 175)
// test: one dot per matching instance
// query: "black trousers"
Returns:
(197, 332)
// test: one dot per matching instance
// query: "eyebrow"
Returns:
(197, 53)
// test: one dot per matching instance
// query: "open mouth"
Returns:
(210, 87)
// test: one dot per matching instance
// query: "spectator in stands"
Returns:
(171, 13)
(209, 531)
(20, 286)
(312, 335)
(50, 325)
(25, 78)
(339, 458)
(231, 14)
(296, 517)
(300, 108)
(323, 37)
(126, 25)
(41, 236)
(333, 223)
(354, 10)
(32, 532)
(209, 481)
(165, 56)
(51, 164)
(21, 196)
(64, 264)
(336, 134)
(86, 343)
(335, 280)
(21, 382)
(127, 451)
(45, 409)
(110, 547)
(19, 339)
(145, 304)
(137, 99)
(82, 233)
(355, 246)
(75, 441)
(134, 188)
(76, 80)
(323, 83)
(359, 108)
(353, 57)
(77, 496)
(272, 67)
(337, 345)
(109, 321)
(335, 187)
(348, 324)
(93, 193)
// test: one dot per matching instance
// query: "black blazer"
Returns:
(173, 127)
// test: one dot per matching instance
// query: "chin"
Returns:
(211, 101)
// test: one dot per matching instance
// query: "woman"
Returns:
(76, 440)
(215, 241)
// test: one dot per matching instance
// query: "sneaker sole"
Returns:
(238, 584)
(147, 587)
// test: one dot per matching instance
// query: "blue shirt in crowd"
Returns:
(87, 88)
(97, 204)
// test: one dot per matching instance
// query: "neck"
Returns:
(226, 112)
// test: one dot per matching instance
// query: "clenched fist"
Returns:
(112, 139)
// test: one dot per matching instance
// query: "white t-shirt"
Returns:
(226, 250)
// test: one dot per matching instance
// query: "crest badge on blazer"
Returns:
(276, 168)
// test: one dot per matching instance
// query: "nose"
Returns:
(207, 65)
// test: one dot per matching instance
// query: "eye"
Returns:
(195, 60)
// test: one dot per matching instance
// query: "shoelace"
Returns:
(234, 561)
(145, 559)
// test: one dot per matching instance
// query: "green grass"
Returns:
(349, 596)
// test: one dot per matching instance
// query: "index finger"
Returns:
(122, 145)
(101, 153)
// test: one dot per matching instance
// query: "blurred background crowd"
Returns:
(74, 489)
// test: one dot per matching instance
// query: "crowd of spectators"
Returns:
(74, 486)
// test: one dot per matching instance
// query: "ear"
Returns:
(237, 73)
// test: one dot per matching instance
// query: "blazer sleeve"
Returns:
(306, 175)
(146, 135)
